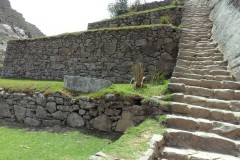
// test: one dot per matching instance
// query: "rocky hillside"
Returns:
(14, 26)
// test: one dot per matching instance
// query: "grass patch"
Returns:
(134, 143)
(47, 86)
(143, 12)
(95, 30)
(30, 86)
(17, 143)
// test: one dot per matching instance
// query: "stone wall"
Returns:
(225, 16)
(109, 113)
(175, 15)
(106, 54)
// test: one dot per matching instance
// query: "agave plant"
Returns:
(138, 77)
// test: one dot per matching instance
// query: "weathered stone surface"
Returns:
(110, 97)
(32, 122)
(20, 112)
(51, 107)
(75, 120)
(125, 122)
(86, 105)
(102, 123)
(60, 115)
(4, 109)
(41, 112)
(65, 108)
(84, 84)
(40, 100)
(51, 123)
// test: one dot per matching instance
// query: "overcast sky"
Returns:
(60, 16)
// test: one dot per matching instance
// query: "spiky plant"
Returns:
(165, 20)
(138, 77)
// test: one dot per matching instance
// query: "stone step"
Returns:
(198, 76)
(184, 53)
(171, 153)
(211, 84)
(209, 67)
(222, 94)
(203, 63)
(201, 141)
(196, 58)
(231, 105)
(223, 129)
(202, 71)
(197, 111)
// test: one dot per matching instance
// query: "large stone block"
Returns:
(75, 120)
(102, 123)
(4, 109)
(85, 84)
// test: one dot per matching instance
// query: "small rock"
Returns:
(82, 112)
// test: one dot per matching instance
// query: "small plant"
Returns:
(158, 77)
(138, 77)
(165, 20)
(176, 3)
(180, 26)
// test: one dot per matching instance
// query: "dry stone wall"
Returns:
(109, 113)
(106, 54)
(174, 14)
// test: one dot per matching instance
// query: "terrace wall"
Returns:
(106, 54)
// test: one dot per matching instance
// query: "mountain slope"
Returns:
(14, 26)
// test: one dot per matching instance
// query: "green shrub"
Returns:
(165, 20)
(158, 77)
(176, 3)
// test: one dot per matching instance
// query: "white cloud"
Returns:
(59, 16)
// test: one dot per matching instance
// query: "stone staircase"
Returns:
(204, 124)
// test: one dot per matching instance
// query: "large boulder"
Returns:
(85, 84)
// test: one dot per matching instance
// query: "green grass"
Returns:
(30, 86)
(128, 90)
(143, 12)
(96, 30)
(134, 143)
(47, 86)
(17, 143)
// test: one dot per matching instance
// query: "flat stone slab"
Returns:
(85, 84)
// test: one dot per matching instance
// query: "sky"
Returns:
(54, 17)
